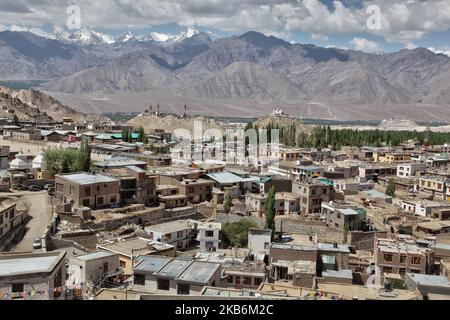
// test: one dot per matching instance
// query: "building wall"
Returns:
(259, 242)
(89, 195)
(91, 270)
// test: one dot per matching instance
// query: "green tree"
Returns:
(125, 135)
(346, 230)
(141, 134)
(228, 203)
(83, 162)
(390, 190)
(236, 234)
(270, 211)
(15, 120)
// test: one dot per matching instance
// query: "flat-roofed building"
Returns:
(177, 276)
(313, 194)
(92, 267)
(130, 249)
(177, 233)
(426, 284)
(136, 185)
(33, 276)
(87, 190)
(402, 255)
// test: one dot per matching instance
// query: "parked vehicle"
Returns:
(37, 243)
(47, 186)
(34, 188)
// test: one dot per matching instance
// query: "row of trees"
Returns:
(325, 136)
(68, 160)
(127, 136)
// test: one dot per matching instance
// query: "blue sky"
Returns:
(343, 23)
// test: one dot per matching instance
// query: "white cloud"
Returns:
(365, 45)
(402, 21)
(318, 36)
(445, 51)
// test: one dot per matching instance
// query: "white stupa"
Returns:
(38, 161)
(20, 162)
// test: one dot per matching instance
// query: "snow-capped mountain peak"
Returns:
(89, 36)
(125, 37)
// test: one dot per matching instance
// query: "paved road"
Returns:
(41, 213)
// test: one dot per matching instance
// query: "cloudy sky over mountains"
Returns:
(403, 23)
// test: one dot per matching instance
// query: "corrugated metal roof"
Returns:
(173, 269)
(230, 178)
(199, 272)
(151, 263)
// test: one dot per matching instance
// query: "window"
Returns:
(257, 281)
(388, 257)
(168, 236)
(87, 191)
(247, 280)
(183, 289)
(180, 234)
(86, 203)
(415, 260)
(402, 271)
(139, 279)
(230, 279)
(163, 284)
(17, 287)
(209, 234)
(113, 199)
(100, 200)
(266, 245)
(387, 269)
(402, 259)
(122, 264)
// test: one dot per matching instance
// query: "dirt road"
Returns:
(41, 214)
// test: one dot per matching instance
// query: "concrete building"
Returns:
(434, 186)
(94, 267)
(136, 185)
(87, 190)
(405, 170)
(27, 135)
(285, 203)
(33, 276)
(177, 233)
(130, 249)
(160, 275)
(402, 255)
(209, 235)
(427, 285)
(10, 218)
(197, 191)
(312, 194)
(340, 215)
(259, 240)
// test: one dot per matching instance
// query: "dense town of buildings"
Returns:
(143, 224)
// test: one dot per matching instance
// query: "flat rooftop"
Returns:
(429, 280)
(134, 246)
(86, 179)
(32, 263)
(95, 255)
(169, 227)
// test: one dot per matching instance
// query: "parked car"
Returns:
(37, 243)
(47, 186)
(34, 188)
